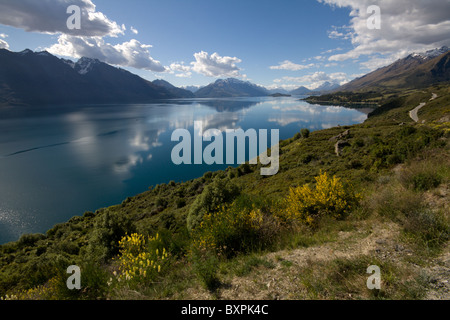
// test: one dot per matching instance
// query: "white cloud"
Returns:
(334, 34)
(345, 33)
(314, 80)
(183, 70)
(332, 64)
(51, 16)
(376, 62)
(279, 85)
(291, 66)
(332, 50)
(131, 54)
(134, 30)
(4, 44)
(406, 26)
(215, 65)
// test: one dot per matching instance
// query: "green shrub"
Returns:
(234, 229)
(180, 203)
(219, 192)
(245, 169)
(307, 158)
(407, 131)
(28, 240)
(205, 264)
(394, 202)
(359, 143)
(427, 226)
(422, 177)
(425, 181)
(354, 164)
(109, 230)
(208, 175)
(161, 202)
(305, 133)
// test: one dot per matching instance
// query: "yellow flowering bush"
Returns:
(141, 258)
(330, 197)
(49, 291)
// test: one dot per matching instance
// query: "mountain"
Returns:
(326, 87)
(417, 70)
(32, 78)
(178, 92)
(301, 91)
(192, 89)
(278, 90)
(224, 88)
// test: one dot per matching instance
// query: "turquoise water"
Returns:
(58, 162)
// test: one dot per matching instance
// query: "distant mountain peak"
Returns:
(84, 65)
(231, 87)
(234, 81)
(302, 90)
(163, 83)
(192, 88)
(44, 53)
(430, 54)
(180, 92)
(327, 86)
(25, 52)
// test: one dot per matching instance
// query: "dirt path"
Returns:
(439, 277)
(414, 113)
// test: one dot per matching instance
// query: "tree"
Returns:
(219, 192)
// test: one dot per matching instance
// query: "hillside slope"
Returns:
(414, 71)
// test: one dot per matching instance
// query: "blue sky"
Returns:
(285, 43)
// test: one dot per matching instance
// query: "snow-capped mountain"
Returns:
(231, 87)
(32, 78)
(414, 71)
(430, 54)
(85, 65)
(192, 89)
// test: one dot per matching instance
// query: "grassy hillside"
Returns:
(310, 231)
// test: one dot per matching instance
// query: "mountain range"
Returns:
(225, 88)
(417, 70)
(175, 91)
(31, 78)
(36, 78)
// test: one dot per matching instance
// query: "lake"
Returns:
(58, 162)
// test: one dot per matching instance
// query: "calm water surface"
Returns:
(58, 162)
